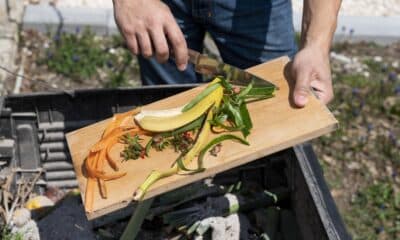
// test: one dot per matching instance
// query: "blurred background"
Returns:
(74, 44)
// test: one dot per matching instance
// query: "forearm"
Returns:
(319, 23)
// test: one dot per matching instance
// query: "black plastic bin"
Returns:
(32, 128)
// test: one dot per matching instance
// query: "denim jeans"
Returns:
(246, 32)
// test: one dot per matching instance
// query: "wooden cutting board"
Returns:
(277, 125)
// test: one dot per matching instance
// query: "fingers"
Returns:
(178, 43)
(307, 78)
(302, 86)
(311, 70)
(144, 44)
(132, 44)
(147, 26)
(323, 90)
(160, 44)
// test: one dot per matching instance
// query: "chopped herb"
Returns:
(182, 142)
(133, 149)
(160, 143)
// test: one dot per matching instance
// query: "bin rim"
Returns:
(72, 92)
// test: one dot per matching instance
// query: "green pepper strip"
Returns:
(190, 126)
(180, 162)
(210, 88)
(214, 142)
(248, 125)
(245, 91)
(261, 91)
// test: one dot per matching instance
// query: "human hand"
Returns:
(311, 70)
(149, 28)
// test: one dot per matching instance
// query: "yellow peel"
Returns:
(168, 120)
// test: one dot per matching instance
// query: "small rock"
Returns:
(389, 170)
(354, 166)
(378, 59)
(27, 52)
(24, 225)
(340, 57)
(330, 160)
(112, 51)
(336, 193)
(366, 74)
(21, 217)
(388, 103)
(372, 168)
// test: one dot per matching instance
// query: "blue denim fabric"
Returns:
(247, 32)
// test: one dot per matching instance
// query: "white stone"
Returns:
(378, 59)
(340, 57)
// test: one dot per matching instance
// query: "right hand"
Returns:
(149, 28)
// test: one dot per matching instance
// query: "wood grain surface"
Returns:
(277, 125)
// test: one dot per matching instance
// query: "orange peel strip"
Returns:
(99, 167)
(89, 194)
(118, 118)
(90, 165)
(115, 132)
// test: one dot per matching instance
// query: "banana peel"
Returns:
(171, 119)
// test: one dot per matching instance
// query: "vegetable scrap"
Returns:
(220, 109)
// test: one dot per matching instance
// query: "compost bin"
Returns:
(33, 127)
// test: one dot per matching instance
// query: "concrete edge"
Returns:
(47, 18)
(381, 30)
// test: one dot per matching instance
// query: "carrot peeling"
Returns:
(89, 195)
(99, 154)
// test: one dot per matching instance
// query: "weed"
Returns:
(368, 109)
(7, 235)
(75, 56)
(375, 211)
(85, 56)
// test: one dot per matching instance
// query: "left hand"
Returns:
(311, 70)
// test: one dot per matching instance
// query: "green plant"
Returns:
(133, 148)
(373, 65)
(375, 210)
(76, 55)
(84, 56)
(7, 235)
(365, 151)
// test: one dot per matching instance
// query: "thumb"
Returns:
(302, 87)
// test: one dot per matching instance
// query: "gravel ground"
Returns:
(349, 7)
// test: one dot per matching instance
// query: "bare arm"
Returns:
(311, 67)
(149, 29)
